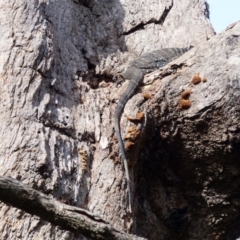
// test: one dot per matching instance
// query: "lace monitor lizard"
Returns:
(135, 72)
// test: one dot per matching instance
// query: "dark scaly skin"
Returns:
(136, 78)
(135, 72)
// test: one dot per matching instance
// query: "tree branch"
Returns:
(67, 217)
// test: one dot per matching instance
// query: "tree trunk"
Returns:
(186, 174)
(58, 99)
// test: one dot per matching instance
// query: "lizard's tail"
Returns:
(128, 184)
(125, 162)
(136, 76)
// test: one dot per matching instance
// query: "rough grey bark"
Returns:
(57, 101)
(187, 174)
(70, 218)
